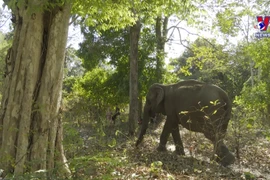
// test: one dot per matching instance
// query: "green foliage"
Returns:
(117, 15)
(259, 52)
(98, 48)
(106, 46)
(68, 85)
(256, 96)
(73, 64)
(103, 162)
(112, 48)
(207, 61)
(169, 77)
(104, 14)
(88, 97)
(72, 140)
(108, 50)
(35, 6)
(156, 168)
(5, 44)
(226, 21)
(92, 86)
(249, 176)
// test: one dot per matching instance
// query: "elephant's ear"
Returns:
(160, 95)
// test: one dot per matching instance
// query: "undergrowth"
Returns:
(106, 152)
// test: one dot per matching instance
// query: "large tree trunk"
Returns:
(133, 81)
(161, 36)
(30, 129)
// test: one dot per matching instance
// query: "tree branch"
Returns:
(5, 21)
(172, 30)
(181, 42)
(73, 19)
(195, 34)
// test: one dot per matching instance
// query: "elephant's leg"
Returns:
(179, 148)
(165, 135)
(225, 157)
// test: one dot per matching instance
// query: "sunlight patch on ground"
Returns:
(171, 147)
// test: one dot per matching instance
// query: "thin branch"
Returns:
(5, 21)
(195, 34)
(181, 42)
(74, 18)
(174, 26)
(172, 31)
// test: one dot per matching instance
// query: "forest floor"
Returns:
(106, 152)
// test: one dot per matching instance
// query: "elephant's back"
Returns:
(195, 94)
(188, 83)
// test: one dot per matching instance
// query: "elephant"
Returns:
(197, 106)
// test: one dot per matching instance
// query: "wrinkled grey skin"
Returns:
(197, 106)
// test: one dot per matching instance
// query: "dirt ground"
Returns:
(110, 154)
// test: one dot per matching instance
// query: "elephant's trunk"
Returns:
(144, 126)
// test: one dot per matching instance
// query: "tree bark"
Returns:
(30, 129)
(133, 81)
(161, 36)
(140, 106)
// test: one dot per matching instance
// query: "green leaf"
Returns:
(205, 117)
(249, 175)
(112, 143)
(184, 112)
(156, 164)
(215, 111)
(117, 132)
